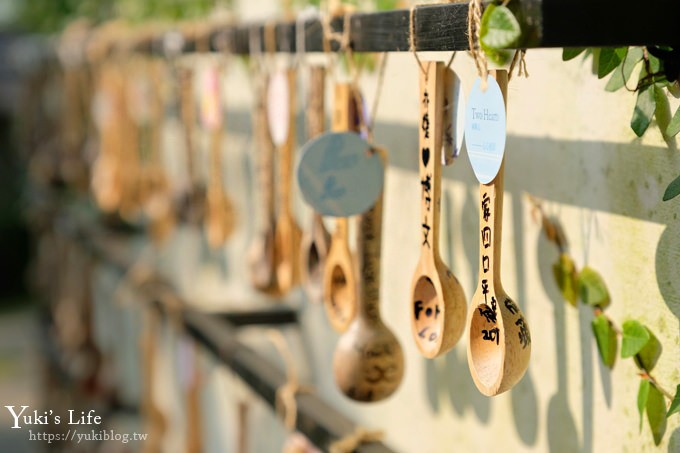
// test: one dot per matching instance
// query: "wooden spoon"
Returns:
(159, 207)
(499, 343)
(316, 241)
(439, 304)
(339, 283)
(369, 364)
(193, 208)
(261, 253)
(287, 234)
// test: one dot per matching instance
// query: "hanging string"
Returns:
(412, 38)
(474, 28)
(286, 405)
(522, 67)
(354, 440)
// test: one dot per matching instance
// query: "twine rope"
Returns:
(355, 439)
(286, 405)
(474, 27)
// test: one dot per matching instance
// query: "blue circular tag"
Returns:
(339, 175)
(485, 130)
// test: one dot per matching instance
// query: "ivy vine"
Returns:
(653, 71)
(637, 341)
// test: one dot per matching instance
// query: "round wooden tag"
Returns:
(339, 175)
(485, 129)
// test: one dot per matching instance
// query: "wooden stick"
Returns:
(438, 301)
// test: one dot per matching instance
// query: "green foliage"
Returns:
(656, 413)
(672, 190)
(624, 71)
(569, 53)
(674, 125)
(564, 271)
(644, 110)
(635, 337)
(643, 396)
(499, 30)
(648, 356)
(610, 59)
(49, 16)
(605, 335)
(592, 288)
(675, 405)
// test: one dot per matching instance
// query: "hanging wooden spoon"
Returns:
(261, 253)
(287, 233)
(316, 241)
(499, 343)
(159, 206)
(193, 207)
(369, 364)
(438, 302)
(339, 282)
(220, 213)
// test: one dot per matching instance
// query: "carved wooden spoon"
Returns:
(369, 364)
(499, 343)
(220, 212)
(438, 301)
(261, 253)
(287, 233)
(339, 283)
(316, 241)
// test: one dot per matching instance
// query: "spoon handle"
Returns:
(265, 149)
(188, 120)
(369, 240)
(315, 105)
(286, 150)
(430, 142)
(491, 214)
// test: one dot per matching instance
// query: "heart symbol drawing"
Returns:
(426, 156)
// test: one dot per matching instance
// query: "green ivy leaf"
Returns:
(672, 190)
(624, 71)
(656, 413)
(674, 126)
(569, 53)
(648, 356)
(609, 59)
(675, 405)
(564, 271)
(644, 110)
(635, 337)
(592, 288)
(499, 28)
(662, 111)
(605, 335)
(643, 396)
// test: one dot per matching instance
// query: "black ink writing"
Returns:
(524, 335)
(491, 335)
(510, 305)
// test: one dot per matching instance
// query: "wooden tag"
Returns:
(278, 107)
